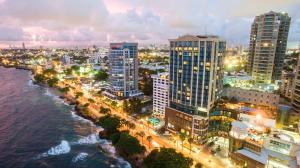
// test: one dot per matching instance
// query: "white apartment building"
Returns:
(160, 93)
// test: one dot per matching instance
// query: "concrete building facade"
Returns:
(268, 41)
(287, 84)
(160, 93)
(252, 96)
(123, 69)
(296, 90)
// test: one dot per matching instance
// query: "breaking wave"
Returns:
(63, 148)
(91, 139)
(79, 157)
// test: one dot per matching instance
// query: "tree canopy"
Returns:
(133, 105)
(167, 157)
(101, 76)
(129, 145)
(110, 123)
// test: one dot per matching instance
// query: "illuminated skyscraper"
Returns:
(195, 83)
(268, 40)
(123, 69)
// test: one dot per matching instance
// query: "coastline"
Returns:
(71, 101)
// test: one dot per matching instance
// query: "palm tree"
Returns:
(131, 126)
(142, 134)
(190, 140)
(182, 137)
(148, 124)
(149, 139)
(104, 110)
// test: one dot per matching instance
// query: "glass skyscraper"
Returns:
(123, 69)
(195, 83)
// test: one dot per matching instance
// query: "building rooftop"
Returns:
(195, 37)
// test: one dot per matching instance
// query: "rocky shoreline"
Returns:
(78, 111)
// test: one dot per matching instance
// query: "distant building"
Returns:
(66, 60)
(268, 40)
(23, 46)
(296, 90)
(195, 76)
(123, 70)
(286, 87)
(160, 93)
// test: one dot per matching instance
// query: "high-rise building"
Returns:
(268, 40)
(23, 46)
(123, 69)
(296, 90)
(160, 93)
(195, 83)
(286, 87)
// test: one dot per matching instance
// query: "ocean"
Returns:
(38, 129)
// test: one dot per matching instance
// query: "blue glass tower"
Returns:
(195, 83)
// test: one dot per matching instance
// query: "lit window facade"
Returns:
(195, 78)
(123, 69)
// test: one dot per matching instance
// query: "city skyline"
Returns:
(71, 23)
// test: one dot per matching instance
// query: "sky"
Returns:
(58, 23)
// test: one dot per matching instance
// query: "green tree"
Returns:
(134, 106)
(149, 139)
(199, 165)
(182, 137)
(131, 126)
(104, 110)
(78, 94)
(68, 71)
(126, 106)
(39, 78)
(52, 82)
(190, 140)
(129, 145)
(64, 90)
(75, 68)
(110, 123)
(142, 134)
(91, 100)
(167, 157)
(101, 76)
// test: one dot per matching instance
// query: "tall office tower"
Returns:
(195, 83)
(123, 69)
(268, 40)
(160, 93)
(296, 90)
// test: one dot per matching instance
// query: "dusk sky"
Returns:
(88, 22)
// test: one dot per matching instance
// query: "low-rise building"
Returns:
(160, 93)
(250, 147)
(252, 96)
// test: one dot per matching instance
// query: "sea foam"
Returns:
(79, 157)
(91, 139)
(63, 148)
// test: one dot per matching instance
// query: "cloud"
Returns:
(149, 21)
(11, 33)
